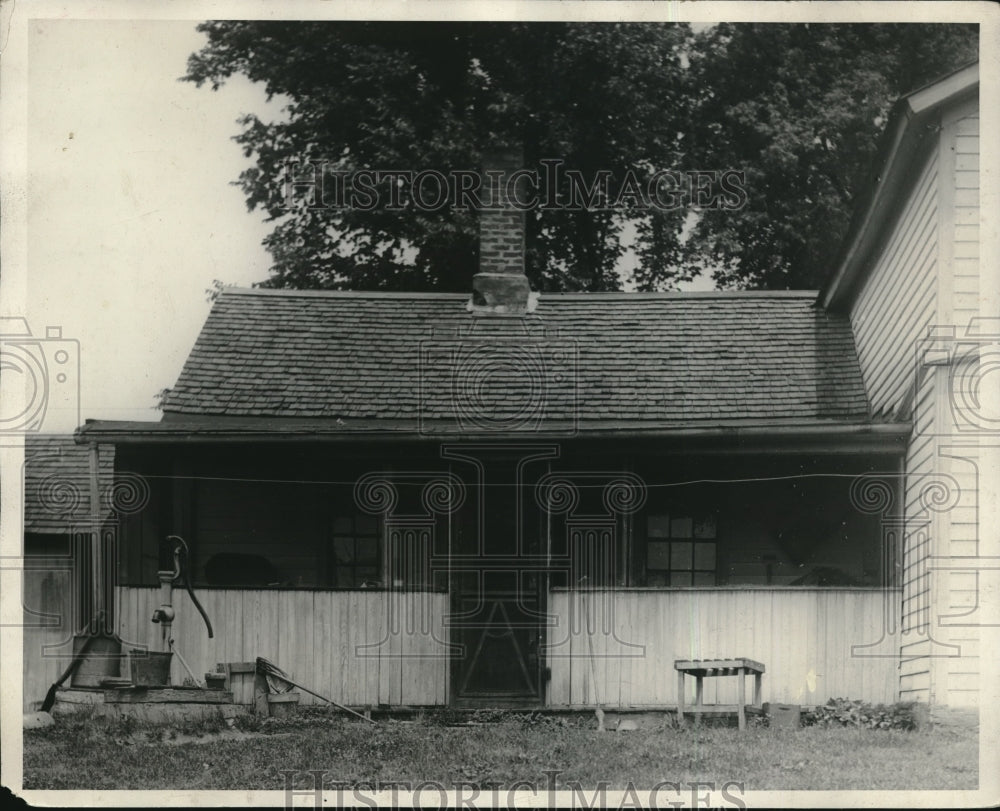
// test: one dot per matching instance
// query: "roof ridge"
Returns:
(449, 296)
(683, 294)
(295, 293)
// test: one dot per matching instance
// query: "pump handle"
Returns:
(182, 569)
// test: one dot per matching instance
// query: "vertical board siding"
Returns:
(804, 637)
(48, 634)
(351, 646)
(898, 301)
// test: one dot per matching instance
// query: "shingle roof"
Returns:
(671, 359)
(57, 483)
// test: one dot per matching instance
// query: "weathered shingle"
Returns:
(57, 483)
(672, 359)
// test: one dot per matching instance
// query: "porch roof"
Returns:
(355, 361)
(746, 437)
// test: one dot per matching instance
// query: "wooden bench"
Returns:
(702, 668)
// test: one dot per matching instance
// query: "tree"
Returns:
(800, 108)
(389, 96)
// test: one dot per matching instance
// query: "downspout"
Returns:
(98, 623)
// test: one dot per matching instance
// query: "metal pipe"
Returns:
(97, 618)
(164, 615)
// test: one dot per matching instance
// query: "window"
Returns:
(409, 555)
(355, 553)
(680, 551)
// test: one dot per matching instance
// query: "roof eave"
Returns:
(904, 146)
(889, 437)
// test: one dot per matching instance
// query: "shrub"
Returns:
(847, 713)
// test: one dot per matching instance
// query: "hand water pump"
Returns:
(164, 615)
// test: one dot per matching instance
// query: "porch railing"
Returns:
(355, 647)
(617, 647)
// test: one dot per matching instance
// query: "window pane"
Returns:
(681, 555)
(658, 555)
(658, 526)
(704, 578)
(705, 527)
(343, 550)
(656, 579)
(365, 573)
(345, 577)
(368, 551)
(704, 556)
(680, 578)
(366, 525)
(342, 526)
(681, 528)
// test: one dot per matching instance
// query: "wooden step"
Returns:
(167, 695)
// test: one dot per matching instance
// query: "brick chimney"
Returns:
(500, 286)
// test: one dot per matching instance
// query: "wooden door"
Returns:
(498, 586)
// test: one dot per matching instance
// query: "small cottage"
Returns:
(512, 499)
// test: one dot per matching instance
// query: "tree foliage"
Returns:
(799, 108)
(435, 96)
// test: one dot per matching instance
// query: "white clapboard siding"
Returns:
(898, 301)
(808, 639)
(921, 461)
(958, 613)
(964, 134)
(355, 647)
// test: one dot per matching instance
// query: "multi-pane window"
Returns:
(355, 558)
(680, 551)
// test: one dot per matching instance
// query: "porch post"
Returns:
(98, 620)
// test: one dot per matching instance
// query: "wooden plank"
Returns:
(581, 686)
(624, 607)
(718, 664)
(968, 125)
(374, 669)
(397, 600)
(415, 676)
(48, 592)
(559, 639)
(299, 651)
(322, 642)
(167, 695)
(346, 637)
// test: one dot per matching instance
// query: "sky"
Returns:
(131, 208)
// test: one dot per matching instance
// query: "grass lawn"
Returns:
(101, 754)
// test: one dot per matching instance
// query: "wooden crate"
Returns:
(240, 681)
(282, 705)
